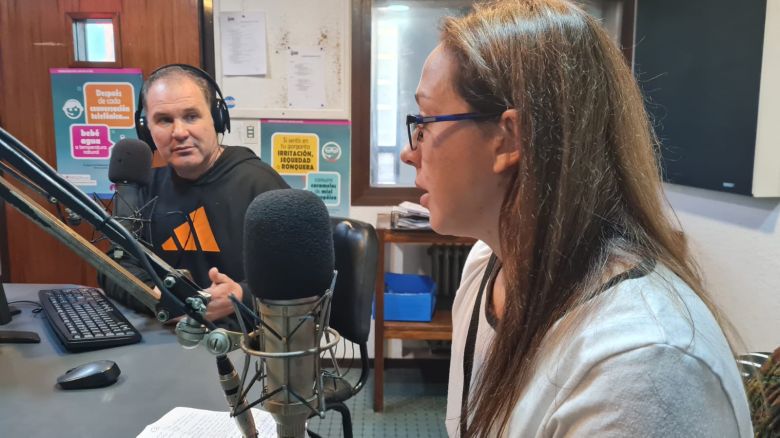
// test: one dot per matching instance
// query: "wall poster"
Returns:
(312, 155)
(93, 109)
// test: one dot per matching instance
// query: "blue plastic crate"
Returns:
(409, 297)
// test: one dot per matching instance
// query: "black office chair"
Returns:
(355, 246)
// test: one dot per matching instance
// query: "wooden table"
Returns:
(440, 327)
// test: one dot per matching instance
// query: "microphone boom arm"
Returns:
(178, 294)
(81, 246)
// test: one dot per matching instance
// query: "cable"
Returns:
(34, 303)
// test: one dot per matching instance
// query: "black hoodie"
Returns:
(214, 206)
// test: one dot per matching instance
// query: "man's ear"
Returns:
(507, 152)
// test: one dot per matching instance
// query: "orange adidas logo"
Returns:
(187, 241)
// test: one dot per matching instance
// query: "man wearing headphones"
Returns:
(196, 221)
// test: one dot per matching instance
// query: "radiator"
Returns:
(447, 265)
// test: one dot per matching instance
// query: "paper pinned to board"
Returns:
(243, 43)
(306, 78)
(183, 422)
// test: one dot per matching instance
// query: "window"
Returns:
(402, 37)
(401, 34)
(394, 38)
(95, 41)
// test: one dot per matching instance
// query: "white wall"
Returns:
(737, 242)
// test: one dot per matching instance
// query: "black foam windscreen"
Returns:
(131, 162)
(288, 245)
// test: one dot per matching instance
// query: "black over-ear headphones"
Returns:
(219, 112)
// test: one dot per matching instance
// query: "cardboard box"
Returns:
(409, 297)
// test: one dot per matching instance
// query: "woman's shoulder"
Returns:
(478, 256)
(655, 390)
(662, 309)
(657, 308)
(473, 270)
(654, 325)
(476, 263)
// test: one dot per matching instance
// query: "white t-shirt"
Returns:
(645, 363)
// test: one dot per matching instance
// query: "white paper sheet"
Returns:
(414, 208)
(306, 78)
(243, 41)
(183, 422)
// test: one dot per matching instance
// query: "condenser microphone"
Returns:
(130, 169)
(289, 261)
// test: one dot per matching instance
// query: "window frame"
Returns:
(72, 17)
(363, 194)
(362, 191)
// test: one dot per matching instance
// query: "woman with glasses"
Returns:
(581, 311)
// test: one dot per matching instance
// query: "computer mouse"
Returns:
(90, 375)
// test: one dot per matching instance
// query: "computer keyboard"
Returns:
(84, 319)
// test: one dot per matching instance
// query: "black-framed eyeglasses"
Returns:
(414, 121)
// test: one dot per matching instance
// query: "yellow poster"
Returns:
(295, 153)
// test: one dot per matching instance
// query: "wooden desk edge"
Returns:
(417, 236)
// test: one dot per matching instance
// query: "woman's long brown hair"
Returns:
(588, 185)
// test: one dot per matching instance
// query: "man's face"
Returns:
(180, 121)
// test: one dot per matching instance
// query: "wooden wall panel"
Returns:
(170, 34)
(33, 38)
(31, 41)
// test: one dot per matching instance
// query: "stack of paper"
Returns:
(189, 423)
(410, 216)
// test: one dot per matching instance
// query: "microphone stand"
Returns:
(285, 392)
(135, 221)
(49, 223)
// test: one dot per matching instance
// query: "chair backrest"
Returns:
(761, 373)
(355, 246)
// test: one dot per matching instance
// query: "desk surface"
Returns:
(157, 375)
